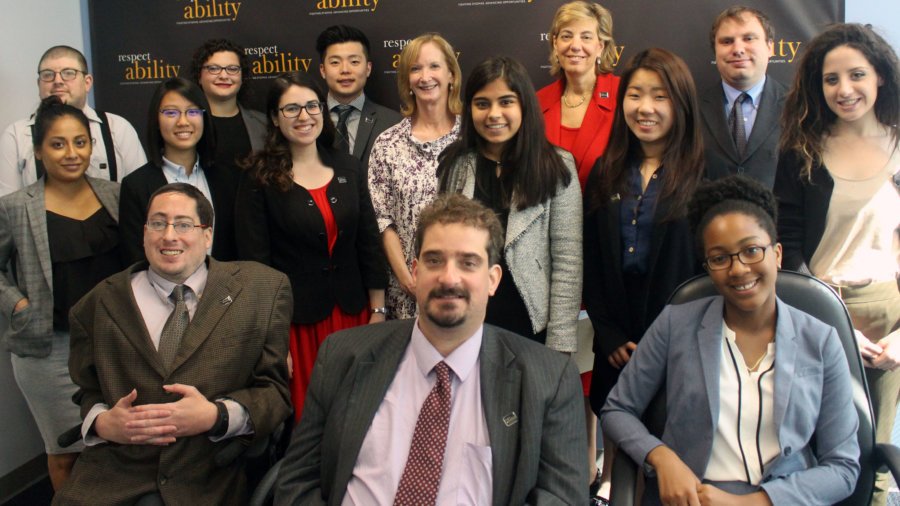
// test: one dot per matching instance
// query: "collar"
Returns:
(177, 171)
(732, 93)
(462, 360)
(357, 103)
(163, 287)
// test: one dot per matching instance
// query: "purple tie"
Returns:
(422, 475)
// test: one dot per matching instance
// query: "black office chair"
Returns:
(814, 297)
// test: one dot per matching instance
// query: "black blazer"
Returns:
(672, 260)
(761, 157)
(134, 198)
(802, 208)
(285, 230)
(373, 120)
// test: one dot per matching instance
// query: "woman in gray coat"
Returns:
(59, 237)
(504, 160)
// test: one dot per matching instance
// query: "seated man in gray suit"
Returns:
(173, 358)
(441, 409)
(741, 127)
(345, 66)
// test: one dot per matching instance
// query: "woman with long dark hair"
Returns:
(504, 161)
(637, 244)
(304, 209)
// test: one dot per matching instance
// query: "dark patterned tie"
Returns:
(343, 141)
(173, 330)
(738, 131)
(422, 474)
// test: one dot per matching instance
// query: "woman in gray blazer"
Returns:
(503, 160)
(759, 407)
(58, 238)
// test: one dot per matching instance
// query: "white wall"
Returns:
(884, 16)
(60, 22)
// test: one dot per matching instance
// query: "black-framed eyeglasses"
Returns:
(293, 110)
(215, 70)
(748, 256)
(193, 112)
(48, 75)
(181, 227)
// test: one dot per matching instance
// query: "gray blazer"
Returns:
(25, 262)
(536, 459)
(761, 157)
(813, 402)
(373, 120)
(543, 252)
(256, 125)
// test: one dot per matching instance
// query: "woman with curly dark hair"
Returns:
(305, 210)
(838, 185)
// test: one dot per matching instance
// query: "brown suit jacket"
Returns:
(235, 347)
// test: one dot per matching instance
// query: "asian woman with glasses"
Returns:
(305, 210)
(181, 149)
(58, 239)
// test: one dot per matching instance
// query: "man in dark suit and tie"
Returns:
(741, 114)
(345, 66)
(174, 358)
(441, 409)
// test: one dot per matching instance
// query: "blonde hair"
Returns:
(409, 55)
(577, 11)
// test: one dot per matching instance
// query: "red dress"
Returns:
(306, 338)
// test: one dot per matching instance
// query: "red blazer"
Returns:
(595, 127)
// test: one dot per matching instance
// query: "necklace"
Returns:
(570, 106)
(756, 365)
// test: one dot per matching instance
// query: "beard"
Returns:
(449, 318)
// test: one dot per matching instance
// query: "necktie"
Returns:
(173, 330)
(343, 141)
(738, 132)
(422, 475)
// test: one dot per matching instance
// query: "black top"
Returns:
(506, 309)
(232, 140)
(285, 230)
(83, 253)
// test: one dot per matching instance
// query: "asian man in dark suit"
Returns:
(345, 66)
(501, 416)
(165, 381)
(746, 143)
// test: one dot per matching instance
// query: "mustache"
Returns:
(449, 292)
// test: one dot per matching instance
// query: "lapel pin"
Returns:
(369, 119)
(510, 419)
(604, 94)
(342, 179)
(615, 197)
(227, 300)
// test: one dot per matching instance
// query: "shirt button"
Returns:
(631, 249)
(653, 176)
(634, 222)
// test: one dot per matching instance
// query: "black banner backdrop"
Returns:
(137, 45)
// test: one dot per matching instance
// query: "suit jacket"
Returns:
(616, 318)
(593, 134)
(137, 188)
(235, 346)
(256, 125)
(546, 236)
(284, 229)
(538, 460)
(813, 401)
(27, 267)
(373, 120)
(761, 156)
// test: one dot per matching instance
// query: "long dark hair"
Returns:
(683, 153)
(206, 146)
(806, 118)
(537, 169)
(272, 164)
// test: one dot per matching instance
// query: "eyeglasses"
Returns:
(49, 76)
(293, 110)
(175, 113)
(217, 69)
(748, 256)
(181, 226)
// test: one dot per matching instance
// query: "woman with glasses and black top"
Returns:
(305, 210)
(181, 146)
(637, 245)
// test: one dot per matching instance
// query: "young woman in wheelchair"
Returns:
(758, 403)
